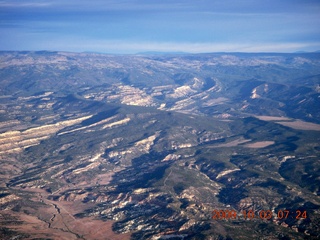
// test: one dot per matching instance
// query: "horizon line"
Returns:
(163, 52)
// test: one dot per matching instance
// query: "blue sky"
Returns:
(130, 26)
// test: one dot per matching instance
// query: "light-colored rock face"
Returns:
(182, 92)
(116, 123)
(16, 141)
(146, 144)
(140, 147)
(171, 157)
(223, 173)
(9, 198)
(134, 96)
(254, 94)
(84, 169)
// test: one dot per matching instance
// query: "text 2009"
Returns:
(263, 214)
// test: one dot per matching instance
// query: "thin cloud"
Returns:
(15, 4)
(97, 5)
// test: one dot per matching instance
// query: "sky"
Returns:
(133, 26)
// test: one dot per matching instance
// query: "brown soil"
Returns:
(259, 144)
(56, 221)
(271, 118)
(301, 125)
(66, 228)
(232, 143)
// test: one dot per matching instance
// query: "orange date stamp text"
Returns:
(262, 214)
